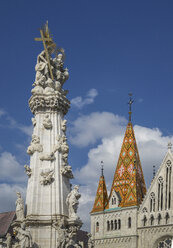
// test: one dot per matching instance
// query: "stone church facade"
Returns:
(131, 216)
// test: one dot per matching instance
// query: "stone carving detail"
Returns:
(66, 236)
(47, 122)
(34, 122)
(90, 241)
(67, 171)
(23, 237)
(46, 176)
(28, 170)
(72, 202)
(35, 145)
(43, 82)
(63, 126)
(19, 207)
(8, 240)
(47, 156)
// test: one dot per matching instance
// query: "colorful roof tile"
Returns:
(101, 199)
(128, 179)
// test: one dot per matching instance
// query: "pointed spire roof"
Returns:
(128, 179)
(101, 199)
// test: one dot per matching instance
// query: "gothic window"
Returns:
(152, 202)
(115, 224)
(168, 185)
(166, 243)
(112, 225)
(108, 226)
(97, 226)
(159, 218)
(113, 200)
(119, 224)
(160, 193)
(129, 222)
(152, 220)
(145, 220)
(167, 218)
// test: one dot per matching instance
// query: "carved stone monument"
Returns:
(49, 198)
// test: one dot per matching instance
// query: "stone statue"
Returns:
(47, 156)
(8, 240)
(42, 65)
(46, 176)
(28, 170)
(35, 145)
(72, 202)
(23, 236)
(64, 126)
(67, 171)
(19, 207)
(47, 122)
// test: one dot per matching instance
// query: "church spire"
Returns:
(101, 199)
(128, 179)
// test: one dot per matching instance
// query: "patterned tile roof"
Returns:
(128, 179)
(101, 199)
(5, 222)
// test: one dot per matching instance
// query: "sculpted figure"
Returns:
(24, 236)
(47, 156)
(8, 240)
(35, 145)
(72, 202)
(47, 122)
(67, 171)
(19, 207)
(42, 65)
(46, 176)
(64, 125)
(28, 170)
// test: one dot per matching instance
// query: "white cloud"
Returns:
(8, 196)
(88, 129)
(109, 128)
(13, 124)
(11, 170)
(79, 102)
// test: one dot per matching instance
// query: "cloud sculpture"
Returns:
(79, 102)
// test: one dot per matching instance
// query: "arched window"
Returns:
(115, 224)
(145, 220)
(165, 243)
(168, 185)
(152, 220)
(152, 202)
(108, 226)
(113, 200)
(97, 226)
(112, 225)
(167, 218)
(119, 224)
(129, 222)
(159, 218)
(160, 193)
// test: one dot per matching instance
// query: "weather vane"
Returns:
(47, 43)
(130, 106)
(102, 165)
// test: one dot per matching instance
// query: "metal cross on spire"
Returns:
(130, 106)
(102, 165)
(47, 42)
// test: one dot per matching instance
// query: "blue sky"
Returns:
(112, 48)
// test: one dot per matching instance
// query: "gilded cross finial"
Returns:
(47, 43)
(130, 106)
(102, 165)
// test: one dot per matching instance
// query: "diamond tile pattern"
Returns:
(128, 179)
(101, 199)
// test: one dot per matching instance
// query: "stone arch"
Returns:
(163, 239)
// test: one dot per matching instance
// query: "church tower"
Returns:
(115, 224)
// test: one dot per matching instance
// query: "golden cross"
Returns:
(45, 38)
(130, 106)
